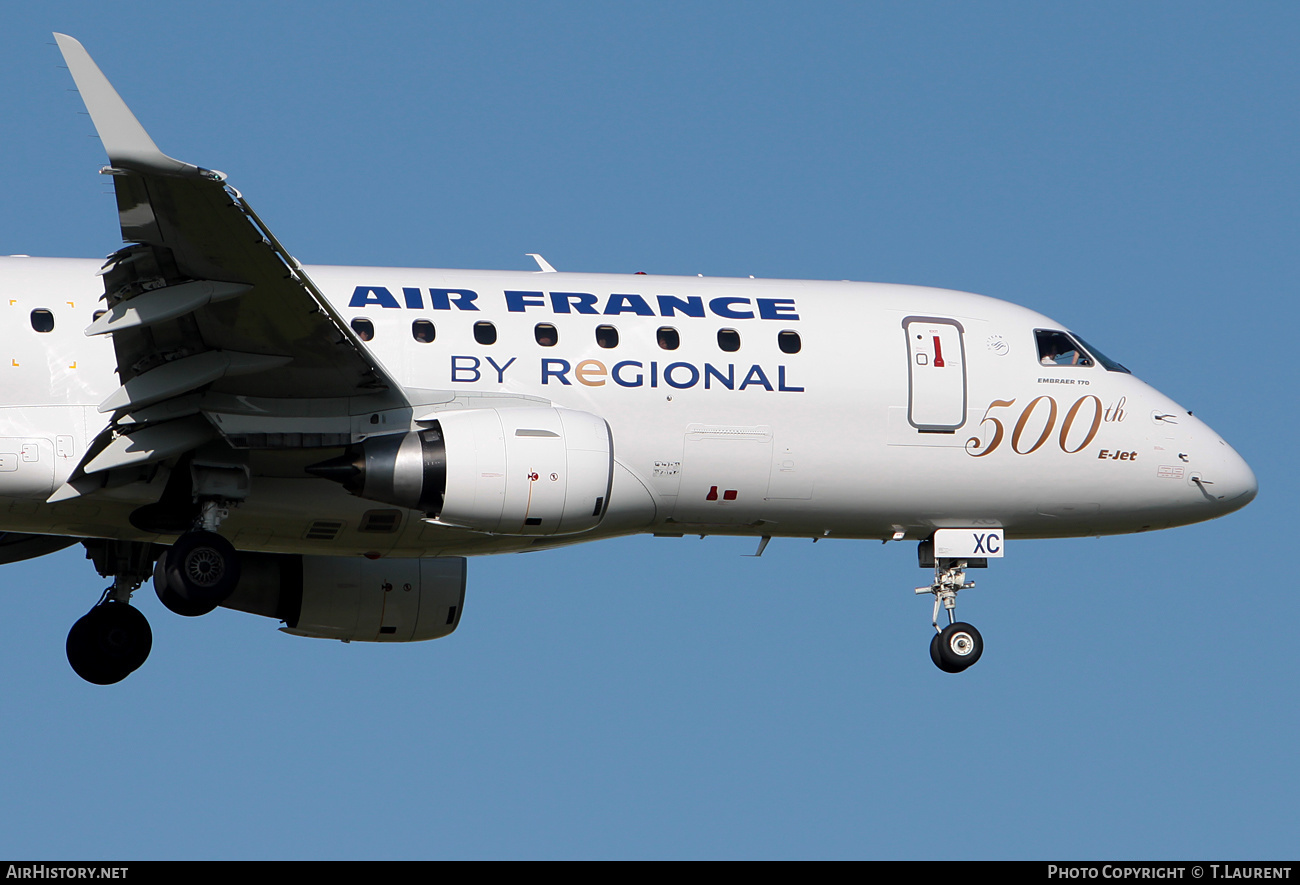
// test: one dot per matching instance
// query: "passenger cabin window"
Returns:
(546, 334)
(789, 342)
(485, 332)
(364, 328)
(729, 340)
(1059, 349)
(42, 320)
(423, 331)
(607, 336)
(668, 338)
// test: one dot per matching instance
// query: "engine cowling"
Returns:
(352, 598)
(527, 471)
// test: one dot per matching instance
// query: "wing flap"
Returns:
(166, 303)
(151, 444)
(185, 375)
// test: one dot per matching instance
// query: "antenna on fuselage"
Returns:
(541, 262)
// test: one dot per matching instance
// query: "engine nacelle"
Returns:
(527, 471)
(352, 598)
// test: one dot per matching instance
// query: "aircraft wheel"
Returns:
(958, 646)
(202, 568)
(172, 600)
(109, 643)
(938, 659)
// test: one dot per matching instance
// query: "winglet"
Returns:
(127, 144)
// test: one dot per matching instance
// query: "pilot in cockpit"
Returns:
(1058, 349)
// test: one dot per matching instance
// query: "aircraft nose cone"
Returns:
(1235, 484)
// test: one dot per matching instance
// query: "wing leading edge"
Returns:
(210, 316)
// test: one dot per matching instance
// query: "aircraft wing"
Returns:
(216, 327)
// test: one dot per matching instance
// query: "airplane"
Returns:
(326, 446)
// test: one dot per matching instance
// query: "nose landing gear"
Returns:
(958, 645)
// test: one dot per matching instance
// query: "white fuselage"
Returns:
(904, 409)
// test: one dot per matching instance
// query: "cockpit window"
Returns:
(1059, 349)
(1110, 364)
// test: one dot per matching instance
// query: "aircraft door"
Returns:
(724, 476)
(26, 467)
(936, 374)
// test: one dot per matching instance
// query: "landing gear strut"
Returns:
(958, 645)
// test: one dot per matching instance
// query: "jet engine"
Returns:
(351, 598)
(526, 471)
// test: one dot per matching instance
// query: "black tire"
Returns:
(109, 643)
(938, 660)
(172, 600)
(960, 646)
(202, 568)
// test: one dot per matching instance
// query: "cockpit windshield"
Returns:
(1057, 348)
(1110, 364)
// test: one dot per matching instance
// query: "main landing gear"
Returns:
(201, 569)
(196, 574)
(112, 640)
(959, 645)
(192, 577)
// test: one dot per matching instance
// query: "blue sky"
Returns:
(1128, 169)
